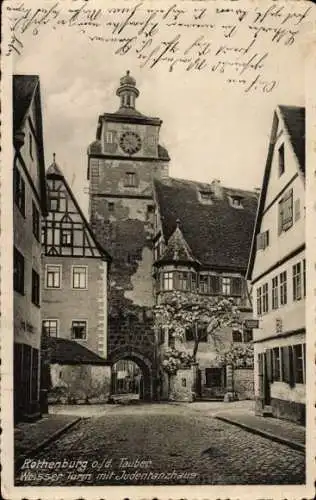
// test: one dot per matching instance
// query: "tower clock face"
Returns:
(130, 142)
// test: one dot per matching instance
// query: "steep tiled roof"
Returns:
(218, 234)
(177, 249)
(23, 91)
(66, 352)
(294, 119)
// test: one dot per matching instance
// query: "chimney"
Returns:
(217, 188)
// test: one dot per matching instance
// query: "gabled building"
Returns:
(277, 271)
(75, 271)
(201, 245)
(29, 195)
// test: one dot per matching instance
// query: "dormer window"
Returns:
(235, 201)
(206, 197)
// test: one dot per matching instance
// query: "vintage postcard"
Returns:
(157, 227)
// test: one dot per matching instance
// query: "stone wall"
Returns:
(181, 385)
(79, 384)
(244, 383)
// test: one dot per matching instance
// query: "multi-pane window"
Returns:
(226, 286)
(193, 282)
(259, 301)
(19, 191)
(79, 277)
(297, 282)
(286, 211)
(265, 298)
(204, 283)
(109, 136)
(35, 221)
(167, 281)
(50, 327)
(66, 237)
(130, 179)
(275, 292)
(248, 335)
(183, 281)
(237, 336)
(35, 288)
(79, 330)
(283, 288)
(299, 363)
(276, 364)
(18, 272)
(281, 160)
(53, 275)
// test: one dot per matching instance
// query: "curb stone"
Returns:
(291, 444)
(20, 460)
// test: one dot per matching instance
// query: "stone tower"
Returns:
(122, 163)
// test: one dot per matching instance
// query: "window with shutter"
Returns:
(269, 365)
(297, 209)
(285, 356)
(286, 211)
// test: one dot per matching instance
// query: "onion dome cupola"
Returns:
(127, 91)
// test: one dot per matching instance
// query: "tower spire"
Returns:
(127, 91)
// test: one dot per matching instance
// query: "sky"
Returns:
(211, 130)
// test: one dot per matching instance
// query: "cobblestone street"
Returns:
(161, 444)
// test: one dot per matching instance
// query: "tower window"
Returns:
(130, 179)
(111, 206)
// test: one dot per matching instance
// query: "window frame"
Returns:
(35, 221)
(69, 232)
(277, 364)
(19, 190)
(237, 333)
(54, 199)
(51, 320)
(167, 277)
(75, 266)
(286, 205)
(283, 288)
(36, 288)
(226, 284)
(111, 207)
(130, 179)
(184, 278)
(204, 281)
(302, 379)
(47, 286)
(85, 321)
(275, 293)
(259, 301)
(18, 278)
(281, 160)
(265, 298)
(297, 281)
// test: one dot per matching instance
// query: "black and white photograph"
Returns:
(156, 268)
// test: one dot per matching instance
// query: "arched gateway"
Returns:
(138, 381)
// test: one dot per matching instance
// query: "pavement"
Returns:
(279, 430)
(30, 437)
(160, 444)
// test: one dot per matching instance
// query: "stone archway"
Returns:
(129, 353)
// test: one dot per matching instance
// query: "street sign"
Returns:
(251, 323)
